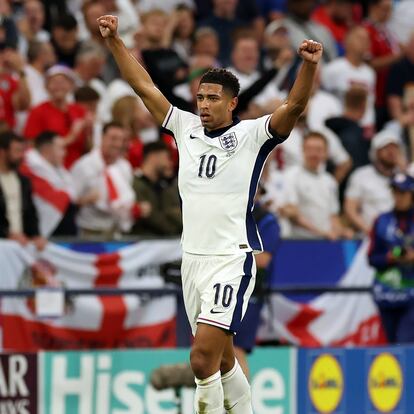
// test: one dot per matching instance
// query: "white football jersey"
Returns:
(218, 176)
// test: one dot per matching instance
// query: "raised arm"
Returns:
(285, 116)
(132, 71)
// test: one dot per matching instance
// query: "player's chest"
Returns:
(222, 163)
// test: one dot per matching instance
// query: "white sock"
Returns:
(236, 388)
(209, 395)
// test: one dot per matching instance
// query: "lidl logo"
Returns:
(326, 384)
(385, 382)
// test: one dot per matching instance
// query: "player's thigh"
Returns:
(190, 270)
(224, 298)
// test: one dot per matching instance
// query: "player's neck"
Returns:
(219, 129)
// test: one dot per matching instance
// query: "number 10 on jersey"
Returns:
(207, 169)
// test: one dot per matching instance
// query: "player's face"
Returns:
(215, 106)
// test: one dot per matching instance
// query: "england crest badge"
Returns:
(229, 141)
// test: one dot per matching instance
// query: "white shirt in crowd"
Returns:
(292, 149)
(11, 188)
(372, 190)
(340, 75)
(90, 173)
(322, 106)
(37, 85)
(275, 186)
(315, 194)
(38, 94)
(269, 93)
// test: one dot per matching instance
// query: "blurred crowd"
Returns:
(81, 156)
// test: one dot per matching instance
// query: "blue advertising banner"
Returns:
(363, 381)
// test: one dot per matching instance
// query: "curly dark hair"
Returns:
(222, 77)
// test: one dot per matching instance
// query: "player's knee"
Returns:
(227, 363)
(202, 363)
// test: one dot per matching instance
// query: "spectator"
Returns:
(385, 51)
(18, 215)
(401, 77)
(154, 184)
(311, 198)
(89, 29)
(8, 29)
(247, 12)
(391, 253)
(130, 112)
(348, 128)
(127, 15)
(269, 231)
(322, 105)
(338, 16)
(180, 31)
(90, 34)
(300, 26)
(368, 194)
(65, 39)
(14, 92)
(278, 48)
(351, 70)
(402, 20)
(41, 56)
(55, 198)
(165, 66)
(105, 170)
(31, 25)
(87, 98)
(290, 152)
(245, 62)
(272, 9)
(206, 42)
(57, 115)
(405, 127)
(167, 6)
(223, 20)
(88, 68)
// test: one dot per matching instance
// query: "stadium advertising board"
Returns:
(18, 383)
(118, 382)
(360, 380)
(386, 379)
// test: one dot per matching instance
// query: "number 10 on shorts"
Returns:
(226, 295)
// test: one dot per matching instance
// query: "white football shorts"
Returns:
(217, 289)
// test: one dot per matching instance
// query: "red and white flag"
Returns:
(92, 321)
(53, 190)
(331, 319)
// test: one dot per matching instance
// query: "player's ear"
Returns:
(233, 103)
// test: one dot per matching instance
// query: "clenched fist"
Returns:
(108, 25)
(310, 51)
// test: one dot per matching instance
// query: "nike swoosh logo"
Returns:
(193, 137)
(214, 311)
